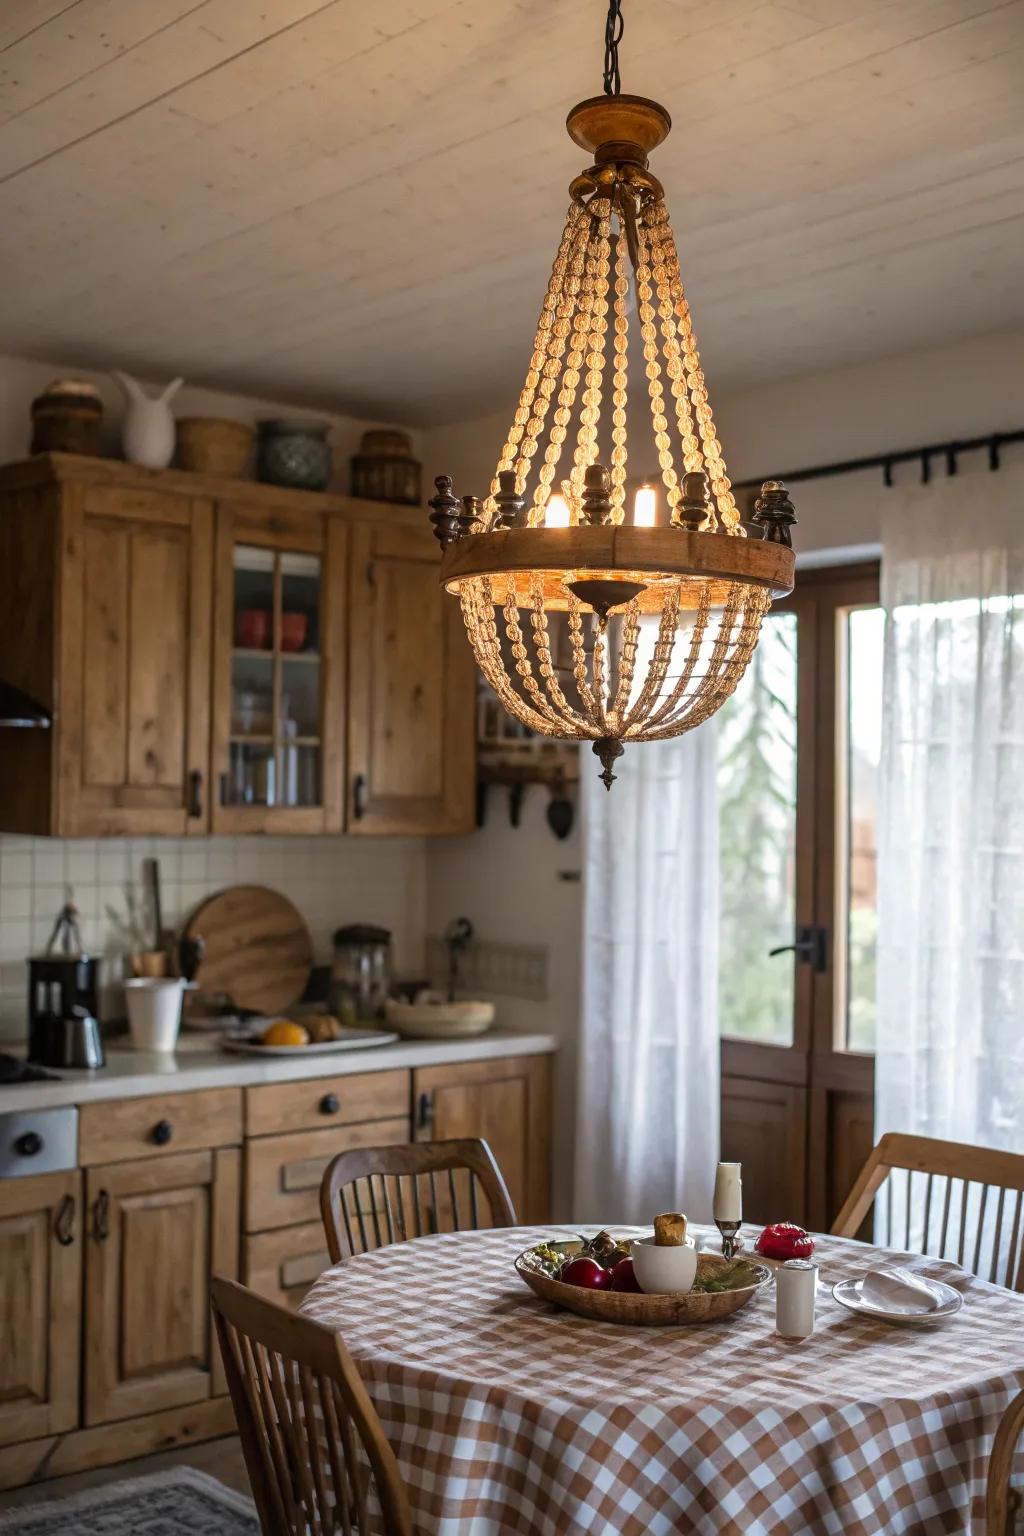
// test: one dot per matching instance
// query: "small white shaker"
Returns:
(796, 1283)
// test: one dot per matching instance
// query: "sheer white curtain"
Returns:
(647, 1115)
(950, 1054)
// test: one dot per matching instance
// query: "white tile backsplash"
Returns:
(332, 880)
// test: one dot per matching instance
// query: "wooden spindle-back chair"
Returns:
(371, 1196)
(1004, 1503)
(317, 1458)
(947, 1200)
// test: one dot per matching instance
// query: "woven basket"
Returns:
(210, 446)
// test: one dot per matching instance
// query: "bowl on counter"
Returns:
(424, 1020)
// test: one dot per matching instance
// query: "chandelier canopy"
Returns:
(588, 623)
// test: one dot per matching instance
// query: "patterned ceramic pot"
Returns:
(295, 453)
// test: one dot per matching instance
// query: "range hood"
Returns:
(17, 709)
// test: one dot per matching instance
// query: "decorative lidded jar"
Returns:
(295, 453)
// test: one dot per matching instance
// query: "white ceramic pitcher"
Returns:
(147, 433)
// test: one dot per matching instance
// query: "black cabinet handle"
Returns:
(162, 1132)
(329, 1104)
(195, 794)
(425, 1111)
(30, 1144)
(101, 1217)
(64, 1226)
(359, 797)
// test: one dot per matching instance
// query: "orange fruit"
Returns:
(285, 1032)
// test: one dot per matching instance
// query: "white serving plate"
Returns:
(847, 1293)
(354, 1040)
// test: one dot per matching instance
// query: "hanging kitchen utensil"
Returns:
(560, 811)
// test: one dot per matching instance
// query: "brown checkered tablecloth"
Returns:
(508, 1415)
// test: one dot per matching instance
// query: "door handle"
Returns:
(359, 796)
(810, 946)
(425, 1111)
(195, 794)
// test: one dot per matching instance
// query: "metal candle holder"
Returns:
(730, 1241)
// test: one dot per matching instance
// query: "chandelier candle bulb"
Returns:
(796, 1285)
(645, 507)
(572, 576)
(556, 512)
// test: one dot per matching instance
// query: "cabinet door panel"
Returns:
(505, 1102)
(40, 1305)
(158, 1230)
(763, 1128)
(411, 690)
(158, 657)
(135, 632)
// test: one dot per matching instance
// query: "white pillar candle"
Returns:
(728, 1192)
(796, 1283)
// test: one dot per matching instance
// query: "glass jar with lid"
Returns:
(360, 973)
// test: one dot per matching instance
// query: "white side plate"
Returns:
(847, 1293)
(355, 1040)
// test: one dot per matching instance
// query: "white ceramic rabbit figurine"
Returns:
(147, 433)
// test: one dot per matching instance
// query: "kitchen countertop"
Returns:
(199, 1063)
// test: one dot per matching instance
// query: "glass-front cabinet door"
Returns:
(279, 673)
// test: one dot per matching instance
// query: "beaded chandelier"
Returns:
(588, 624)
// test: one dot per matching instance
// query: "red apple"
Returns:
(623, 1276)
(585, 1273)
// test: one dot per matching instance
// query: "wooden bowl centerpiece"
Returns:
(638, 1308)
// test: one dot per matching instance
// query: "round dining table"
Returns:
(509, 1415)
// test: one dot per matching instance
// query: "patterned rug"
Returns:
(181, 1502)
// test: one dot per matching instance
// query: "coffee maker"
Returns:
(63, 1000)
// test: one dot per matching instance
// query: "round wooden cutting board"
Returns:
(258, 949)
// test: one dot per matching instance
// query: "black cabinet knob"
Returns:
(329, 1104)
(29, 1144)
(162, 1132)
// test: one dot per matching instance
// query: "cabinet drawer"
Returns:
(157, 1126)
(283, 1264)
(321, 1101)
(283, 1173)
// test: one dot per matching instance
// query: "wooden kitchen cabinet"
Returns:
(279, 655)
(40, 1304)
(158, 1230)
(411, 689)
(508, 1103)
(220, 656)
(117, 596)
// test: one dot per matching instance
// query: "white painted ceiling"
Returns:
(355, 204)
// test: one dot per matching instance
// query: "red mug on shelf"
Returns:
(252, 629)
(293, 631)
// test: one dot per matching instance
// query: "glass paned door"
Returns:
(859, 741)
(798, 786)
(757, 764)
(274, 756)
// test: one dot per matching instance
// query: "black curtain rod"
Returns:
(885, 461)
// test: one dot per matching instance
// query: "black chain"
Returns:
(612, 38)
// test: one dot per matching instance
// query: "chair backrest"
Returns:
(1004, 1504)
(317, 1458)
(944, 1199)
(376, 1195)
